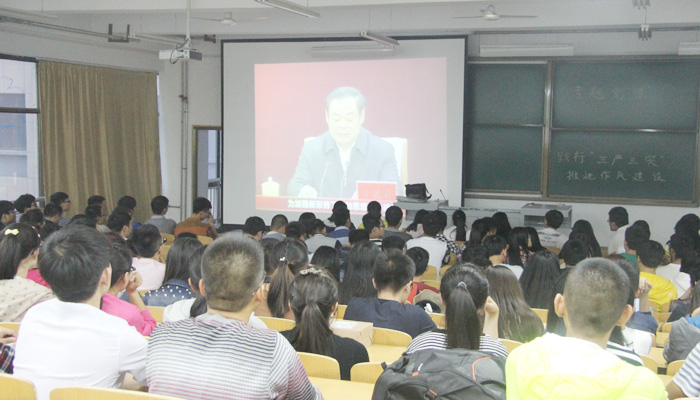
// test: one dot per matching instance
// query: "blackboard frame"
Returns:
(544, 195)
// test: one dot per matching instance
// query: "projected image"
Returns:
(360, 140)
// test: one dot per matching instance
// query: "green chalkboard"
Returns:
(622, 164)
(503, 158)
(625, 94)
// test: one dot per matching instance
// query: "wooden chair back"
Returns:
(156, 312)
(554, 250)
(97, 393)
(673, 368)
(204, 239)
(164, 253)
(659, 307)
(438, 318)
(278, 324)
(367, 372)
(650, 363)
(661, 317)
(510, 344)
(661, 339)
(13, 326)
(340, 312)
(320, 366)
(390, 337)
(14, 388)
(169, 238)
(542, 313)
(666, 327)
(431, 274)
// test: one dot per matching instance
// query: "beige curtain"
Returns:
(99, 134)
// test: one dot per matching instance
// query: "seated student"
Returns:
(197, 305)
(326, 258)
(129, 203)
(471, 315)
(573, 252)
(69, 340)
(7, 350)
(62, 200)
(123, 278)
(374, 208)
(419, 256)
(295, 230)
(374, 227)
(459, 232)
(119, 222)
(316, 237)
(24, 203)
(686, 383)
(518, 251)
(549, 236)
(635, 235)
(451, 246)
(649, 256)
(341, 219)
(218, 352)
(539, 279)
(201, 222)
(393, 277)
(289, 256)
(277, 225)
(394, 219)
(175, 282)
(636, 339)
(439, 253)
(95, 212)
(357, 280)
(19, 246)
(577, 366)
(148, 244)
(33, 217)
(516, 320)
(160, 206)
(254, 227)
(415, 228)
(7, 213)
(476, 254)
(618, 220)
(314, 299)
(496, 248)
(393, 242)
(583, 230)
(503, 226)
(678, 247)
(52, 214)
(99, 200)
(534, 240)
(355, 236)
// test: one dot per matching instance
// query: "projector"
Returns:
(180, 54)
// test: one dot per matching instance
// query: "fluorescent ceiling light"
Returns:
(689, 49)
(291, 7)
(379, 38)
(552, 50)
(355, 49)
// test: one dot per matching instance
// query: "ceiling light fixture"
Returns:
(644, 32)
(641, 4)
(379, 38)
(291, 7)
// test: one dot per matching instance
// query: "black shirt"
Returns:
(390, 314)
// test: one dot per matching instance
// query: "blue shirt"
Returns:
(172, 291)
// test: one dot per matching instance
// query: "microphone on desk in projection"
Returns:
(443, 196)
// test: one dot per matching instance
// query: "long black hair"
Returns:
(417, 219)
(17, 242)
(357, 281)
(312, 294)
(583, 229)
(459, 219)
(539, 278)
(464, 289)
(178, 261)
(517, 242)
(290, 256)
(199, 306)
(502, 224)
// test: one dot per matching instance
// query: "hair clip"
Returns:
(462, 284)
(310, 271)
(13, 232)
(283, 259)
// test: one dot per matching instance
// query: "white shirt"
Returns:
(152, 272)
(181, 310)
(318, 240)
(639, 341)
(67, 344)
(517, 269)
(672, 272)
(617, 243)
(451, 233)
(435, 248)
(550, 237)
(345, 156)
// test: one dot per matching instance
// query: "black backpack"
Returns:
(443, 374)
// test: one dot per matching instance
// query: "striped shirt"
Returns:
(437, 340)
(212, 357)
(688, 378)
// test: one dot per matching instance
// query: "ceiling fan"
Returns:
(228, 19)
(489, 14)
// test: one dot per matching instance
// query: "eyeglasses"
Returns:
(132, 269)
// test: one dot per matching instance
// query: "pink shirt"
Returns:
(152, 272)
(33, 275)
(143, 321)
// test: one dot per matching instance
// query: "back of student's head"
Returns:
(478, 232)
(278, 221)
(374, 208)
(295, 230)
(459, 220)
(17, 242)
(268, 244)
(340, 217)
(583, 230)
(48, 229)
(118, 219)
(119, 257)
(357, 281)
(58, 197)
(338, 206)
(534, 237)
(95, 199)
(393, 216)
(539, 278)
(318, 226)
(619, 216)
(24, 202)
(554, 218)
(159, 204)
(307, 219)
(312, 294)
(432, 224)
(464, 289)
(494, 245)
(636, 234)
(650, 253)
(326, 258)
(72, 261)
(290, 256)
(417, 219)
(632, 271)
(502, 224)
(201, 204)
(93, 212)
(476, 254)
(178, 262)
(392, 271)
(393, 243)
(573, 252)
(370, 221)
(596, 293)
(681, 245)
(442, 217)
(253, 225)
(51, 210)
(420, 258)
(128, 202)
(146, 240)
(356, 236)
(689, 225)
(199, 306)
(83, 219)
(33, 217)
(232, 271)
(517, 242)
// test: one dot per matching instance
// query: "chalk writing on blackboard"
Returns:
(607, 168)
(602, 93)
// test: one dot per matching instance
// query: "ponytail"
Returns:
(292, 256)
(459, 219)
(312, 295)
(17, 242)
(462, 320)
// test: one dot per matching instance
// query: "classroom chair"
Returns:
(156, 312)
(657, 354)
(660, 307)
(554, 250)
(169, 238)
(278, 324)
(542, 313)
(661, 339)
(650, 363)
(340, 312)
(97, 393)
(510, 344)
(390, 337)
(14, 326)
(14, 388)
(438, 318)
(320, 366)
(661, 317)
(673, 368)
(666, 327)
(204, 239)
(367, 372)
(431, 274)
(164, 253)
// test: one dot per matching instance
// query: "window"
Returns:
(19, 130)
